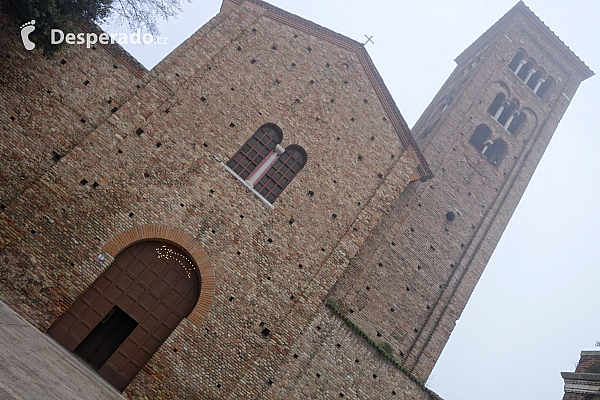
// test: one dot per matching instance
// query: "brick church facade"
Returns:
(253, 218)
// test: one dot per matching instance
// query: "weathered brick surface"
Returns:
(272, 268)
(153, 168)
(414, 277)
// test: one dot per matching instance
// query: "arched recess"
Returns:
(520, 56)
(496, 151)
(181, 239)
(153, 283)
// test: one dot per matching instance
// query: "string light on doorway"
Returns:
(170, 254)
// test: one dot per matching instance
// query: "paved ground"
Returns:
(33, 366)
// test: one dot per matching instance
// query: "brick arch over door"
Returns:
(183, 240)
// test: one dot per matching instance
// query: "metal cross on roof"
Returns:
(369, 40)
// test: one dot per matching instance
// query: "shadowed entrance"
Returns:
(125, 315)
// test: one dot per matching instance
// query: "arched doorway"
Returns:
(125, 315)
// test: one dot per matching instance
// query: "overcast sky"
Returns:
(536, 306)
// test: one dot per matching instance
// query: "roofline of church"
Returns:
(540, 27)
(396, 119)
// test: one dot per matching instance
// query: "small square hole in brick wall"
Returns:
(95, 185)
(293, 64)
(380, 264)
(380, 176)
(270, 382)
(352, 119)
(327, 65)
(63, 61)
(384, 119)
(365, 101)
(431, 248)
(177, 75)
(86, 83)
(360, 158)
(158, 144)
(268, 278)
(115, 66)
(292, 297)
(300, 266)
(393, 156)
(231, 298)
(311, 193)
(232, 125)
(292, 220)
(297, 100)
(341, 394)
(323, 250)
(416, 330)
(318, 328)
(56, 157)
(82, 121)
(332, 101)
(83, 182)
(174, 349)
(295, 355)
(265, 332)
(253, 61)
(337, 139)
(309, 49)
(334, 216)
(270, 240)
(392, 309)
(462, 245)
(407, 289)
(419, 267)
(146, 175)
(120, 151)
(311, 82)
(131, 215)
(213, 231)
(368, 288)
(357, 361)
(428, 307)
(351, 311)
(374, 376)
(318, 375)
(139, 131)
(114, 110)
(239, 253)
(239, 48)
(338, 345)
(12, 118)
(33, 231)
(274, 47)
(378, 334)
(203, 98)
(218, 385)
(168, 110)
(393, 243)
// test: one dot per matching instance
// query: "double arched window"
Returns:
(533, 76)
(492, 150)
(265, 165)
(507, 113)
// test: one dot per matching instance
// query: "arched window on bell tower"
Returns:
(480, 136)
(495, 151)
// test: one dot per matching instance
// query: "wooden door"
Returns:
(150, 287)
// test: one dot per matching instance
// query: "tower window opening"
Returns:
(519, 59)
(495, 151)
(480, 136)
(497, 105)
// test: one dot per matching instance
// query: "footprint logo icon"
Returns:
(26, 29)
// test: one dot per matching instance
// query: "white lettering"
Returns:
(53, 39)
(70, 39)
(134, 38)
(103, 38)
(80, 38)
(122, 38)
(149, 37)
(112, 37)
(90, 37)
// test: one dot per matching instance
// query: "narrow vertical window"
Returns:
(495, 151)
(517, 60)
(281, 173)
(255, 150)
(480, 136)
(497, 105)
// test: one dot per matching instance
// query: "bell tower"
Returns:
(483, 136)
